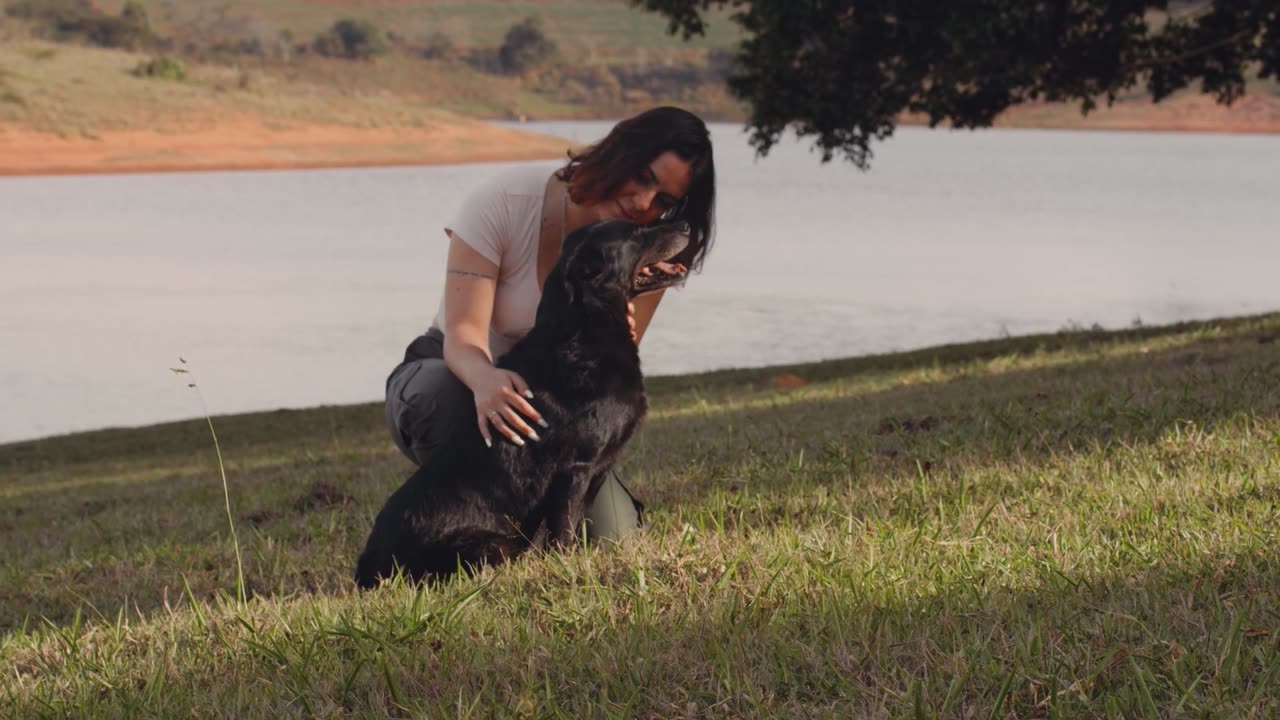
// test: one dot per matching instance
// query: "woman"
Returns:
(656, 166)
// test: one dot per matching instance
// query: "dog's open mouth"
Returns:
(657, 269)
(657, 276)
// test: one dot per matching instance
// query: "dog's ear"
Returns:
(601, 272)
(584, 257)
(593, 257)
(570, 262)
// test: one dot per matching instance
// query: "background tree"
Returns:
(51, 11)
(525, 47)
(135, 12)
(352, 39)
(438, 46)
(845, 70)
(84, 21)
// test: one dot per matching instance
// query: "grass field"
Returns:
(1081, 524)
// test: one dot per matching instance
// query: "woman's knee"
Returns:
(423, 400)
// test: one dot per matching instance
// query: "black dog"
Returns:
(470, 505)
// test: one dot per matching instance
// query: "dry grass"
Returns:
(612, 26)
(77, 90)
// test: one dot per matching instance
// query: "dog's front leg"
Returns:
(567, 504)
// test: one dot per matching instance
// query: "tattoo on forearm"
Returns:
(468, 273)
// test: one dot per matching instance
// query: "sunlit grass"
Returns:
(1071, 525)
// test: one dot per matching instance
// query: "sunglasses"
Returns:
(675, 210)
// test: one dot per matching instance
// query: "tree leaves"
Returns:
(844, 71)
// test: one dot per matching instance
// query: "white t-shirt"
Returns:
(502, 220)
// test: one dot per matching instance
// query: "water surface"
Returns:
(300, 288)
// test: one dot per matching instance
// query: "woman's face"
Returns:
(658, 187)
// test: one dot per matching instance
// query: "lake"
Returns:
(301, 288)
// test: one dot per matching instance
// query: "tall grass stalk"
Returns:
(222, 471)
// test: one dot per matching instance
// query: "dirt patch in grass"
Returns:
(910, 425)
(322, 494)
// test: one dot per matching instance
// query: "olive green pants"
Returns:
(422, 393)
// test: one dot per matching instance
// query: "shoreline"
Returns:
(781, 377)
(249, 145)
(254, 145)
(164, 169)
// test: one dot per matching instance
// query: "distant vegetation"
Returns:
(573, 59)
(438, 46)
(83, 21)
(615, 58)
(352, 40)
(135, 12)
(8, 95)
(163, 67)
(526, 47)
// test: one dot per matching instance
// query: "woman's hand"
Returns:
(502, 403)
(631, 322)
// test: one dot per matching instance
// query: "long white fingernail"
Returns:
(534, 436)
(528, 394)
(544, 424)
(516, 439)
(488, 442)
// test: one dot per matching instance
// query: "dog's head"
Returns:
(607, 263)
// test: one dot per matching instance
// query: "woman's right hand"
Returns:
(502, 405)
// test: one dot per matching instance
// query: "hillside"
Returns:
(258, 92)
(599, 28)
(66, 108)
(254, 93)
(605, 58)
(1080, 524)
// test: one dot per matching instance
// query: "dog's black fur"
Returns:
(470, 505)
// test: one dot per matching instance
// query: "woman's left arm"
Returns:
(645, 305)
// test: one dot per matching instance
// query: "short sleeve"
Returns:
(483, 221)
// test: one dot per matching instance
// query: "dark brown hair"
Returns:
(601, 170)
